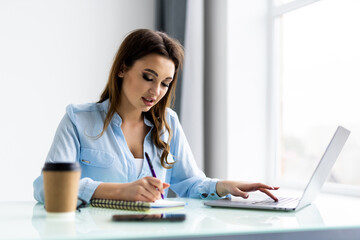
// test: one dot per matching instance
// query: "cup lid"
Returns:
(63, 166)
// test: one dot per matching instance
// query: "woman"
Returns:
(109, 138)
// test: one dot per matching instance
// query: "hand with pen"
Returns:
(147, 189)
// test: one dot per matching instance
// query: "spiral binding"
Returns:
(120, 204)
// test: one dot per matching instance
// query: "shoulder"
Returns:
(171, 115)
(173, 119)
(76, 111)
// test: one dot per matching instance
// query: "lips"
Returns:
(148, 101)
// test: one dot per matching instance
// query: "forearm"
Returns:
(110, 191)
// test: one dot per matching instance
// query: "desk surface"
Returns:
(28, 220)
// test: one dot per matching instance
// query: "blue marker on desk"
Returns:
(152, 169)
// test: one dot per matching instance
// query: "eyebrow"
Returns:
(152, 71)
(155, 73)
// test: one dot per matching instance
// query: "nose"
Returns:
(155, 89)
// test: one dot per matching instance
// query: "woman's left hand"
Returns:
(241, 189)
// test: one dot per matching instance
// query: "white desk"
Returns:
(27, 220)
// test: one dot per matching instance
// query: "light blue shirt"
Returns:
(108, 158)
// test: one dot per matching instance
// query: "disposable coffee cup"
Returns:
(61, 187)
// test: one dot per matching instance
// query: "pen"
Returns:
(152, 169)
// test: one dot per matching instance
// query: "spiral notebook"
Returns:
(135, 206)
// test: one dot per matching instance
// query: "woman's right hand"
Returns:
(147, 189)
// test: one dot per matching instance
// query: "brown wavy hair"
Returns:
(136, 45)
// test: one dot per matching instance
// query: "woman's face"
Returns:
(146, 82)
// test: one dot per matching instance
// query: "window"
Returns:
(317, 52)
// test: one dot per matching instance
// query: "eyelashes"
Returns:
(148, 78)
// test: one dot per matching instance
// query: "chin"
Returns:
(146, 109)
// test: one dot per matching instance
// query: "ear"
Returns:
(121, 74)
(122, 71)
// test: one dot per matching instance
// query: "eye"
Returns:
(165, 85)
(147, 77)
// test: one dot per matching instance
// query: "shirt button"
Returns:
(212, 194)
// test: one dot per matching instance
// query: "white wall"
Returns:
(53, 53)
(247, 93)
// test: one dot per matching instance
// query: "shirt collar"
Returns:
(116, 119)
(147, 122)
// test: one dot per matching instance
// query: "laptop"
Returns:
(310, 192)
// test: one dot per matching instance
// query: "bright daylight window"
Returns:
(319, 78)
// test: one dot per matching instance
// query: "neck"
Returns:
(129, 114)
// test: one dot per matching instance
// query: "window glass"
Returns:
(320, 88)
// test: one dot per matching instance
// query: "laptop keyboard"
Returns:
(283, 201)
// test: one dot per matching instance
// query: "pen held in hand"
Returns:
(151, 169)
